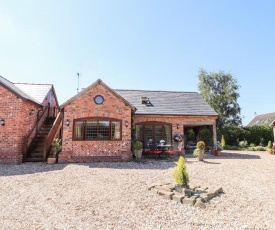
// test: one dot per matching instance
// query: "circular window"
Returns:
(99, 99)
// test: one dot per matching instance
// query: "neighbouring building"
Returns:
(262, 119)
(100, 123)
(24, 108)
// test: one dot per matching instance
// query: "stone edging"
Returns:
(196, 196)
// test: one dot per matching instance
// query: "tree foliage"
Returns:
(220, 90)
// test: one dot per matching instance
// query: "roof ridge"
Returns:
(155, 91)
(6, 79)
(32, 83)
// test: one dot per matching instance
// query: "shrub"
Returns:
(223, 141)
(180, 174)
(201, 145)
(231, 147)
(138, 145)
(258, 134)
(269, 145)
(260, 148)
(196, 152)
(243, 144)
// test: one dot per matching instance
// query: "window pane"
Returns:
(158, 134)
(139, 132)
(115, 130)
(148, 135)
(103, 130)
(91, 130)
(168, 134)
(78, 130)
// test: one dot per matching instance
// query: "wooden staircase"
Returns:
(36, 150)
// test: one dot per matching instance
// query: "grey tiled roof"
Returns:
(262, 119)
(15, 89)
(32, 92)
(36, 91)
(168, 102)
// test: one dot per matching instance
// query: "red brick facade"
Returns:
(19, 116)
(178, 122)
(83, 106)
(114, 107)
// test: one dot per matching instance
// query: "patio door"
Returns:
(152, 133)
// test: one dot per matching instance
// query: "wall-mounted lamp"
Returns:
(67, 122)
(126, 123)
(178, 126)
(31, 111)
(2, 122)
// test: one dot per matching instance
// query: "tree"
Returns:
(220, 90)
(180, 174)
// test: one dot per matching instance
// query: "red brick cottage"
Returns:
(24, 110)
(99, 122)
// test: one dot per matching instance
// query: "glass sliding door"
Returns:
(152, 133)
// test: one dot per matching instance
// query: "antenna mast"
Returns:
(77, 82)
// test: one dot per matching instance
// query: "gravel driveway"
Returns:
(115, 195)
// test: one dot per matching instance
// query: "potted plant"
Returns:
(218, 149)
(269, 148)
(199, 151)
(138, 149)
(55, 149)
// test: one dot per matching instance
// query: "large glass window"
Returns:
(152, 133)
(97, 129)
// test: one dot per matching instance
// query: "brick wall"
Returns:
(19, 116)
(85, 107)
(18, 121)
(175, 120)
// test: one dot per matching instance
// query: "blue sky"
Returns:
(141, 44)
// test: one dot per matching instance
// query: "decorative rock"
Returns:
(163, 188)
(178, 197)
(199, 190)
(187, 192)
(204, 197)
(154, 184)
(200, 204)
(203, 200)
(155, 190)
(195, 195)
(166, 194)
(210, 195)
(219, 189)
(166, 187)
(171, 185)
(189, 201)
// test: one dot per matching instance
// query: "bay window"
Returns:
(97, 129)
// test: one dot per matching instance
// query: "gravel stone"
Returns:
(115, 195)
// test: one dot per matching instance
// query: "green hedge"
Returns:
(257, 135)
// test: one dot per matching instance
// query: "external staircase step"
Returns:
(34, 159)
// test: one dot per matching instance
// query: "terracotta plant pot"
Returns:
(218, 153)
(51, 160)
(270, 151)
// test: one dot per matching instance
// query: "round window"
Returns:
(99, 99)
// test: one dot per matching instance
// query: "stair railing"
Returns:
(54, 132)
(27, 140)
